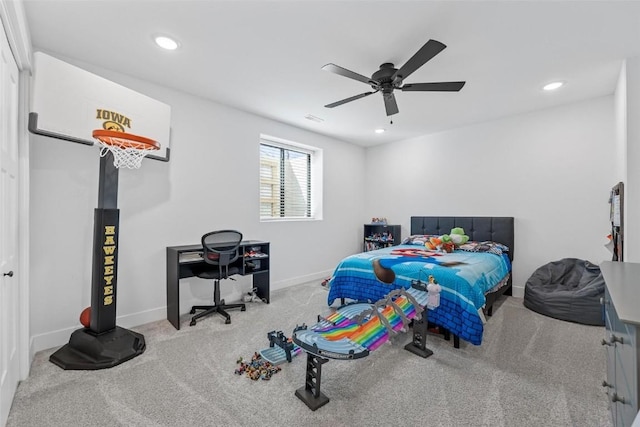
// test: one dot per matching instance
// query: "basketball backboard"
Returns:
(69, 102)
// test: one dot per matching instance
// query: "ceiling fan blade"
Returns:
(353, 98)
(390, 104)
(426, 52)
(348, 73)
(435, 87)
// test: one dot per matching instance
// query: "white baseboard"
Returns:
(517, 291)
(49, 340)
(302, 279)
(60, 337)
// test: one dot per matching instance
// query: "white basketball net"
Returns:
(124, 156)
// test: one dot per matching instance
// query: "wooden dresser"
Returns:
(622, 321)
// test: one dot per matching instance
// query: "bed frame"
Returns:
(479, 228)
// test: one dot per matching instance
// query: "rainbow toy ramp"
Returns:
(355, 330)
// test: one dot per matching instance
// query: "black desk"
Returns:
(181, 259)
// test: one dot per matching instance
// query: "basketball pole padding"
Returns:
(103, 344)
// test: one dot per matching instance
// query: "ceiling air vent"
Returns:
(313, 118)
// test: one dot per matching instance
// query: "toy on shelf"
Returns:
(381, 221)
(381, 237)
(255, 252)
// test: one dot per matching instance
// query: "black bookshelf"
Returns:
(377, 236)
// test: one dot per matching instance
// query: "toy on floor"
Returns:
(257, 368)
(351, 332)
(253, 296)
(281, 349)
(354, 330)
(265, 363)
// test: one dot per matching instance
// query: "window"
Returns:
(288, 181)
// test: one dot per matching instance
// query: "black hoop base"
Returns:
(88, 351)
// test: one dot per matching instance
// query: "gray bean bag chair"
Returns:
(568, 289)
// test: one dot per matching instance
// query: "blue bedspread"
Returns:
(464, 282)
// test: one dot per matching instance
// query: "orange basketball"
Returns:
(85, 317)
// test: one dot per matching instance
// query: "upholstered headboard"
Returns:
(495, 228)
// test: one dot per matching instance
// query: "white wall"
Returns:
(552, 170)
(210, 183)
(620, 113)
(632, 133)
(620, 99)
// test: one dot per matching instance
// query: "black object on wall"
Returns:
(616, 215)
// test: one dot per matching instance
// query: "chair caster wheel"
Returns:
(193, 311)
(193, 322)
(226, 322)
(243, 308)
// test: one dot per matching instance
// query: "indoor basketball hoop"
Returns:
(127, 149)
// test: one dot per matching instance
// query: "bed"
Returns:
(471, 280)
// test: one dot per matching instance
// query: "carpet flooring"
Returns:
(530, 370)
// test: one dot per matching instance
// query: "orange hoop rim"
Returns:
(125, 140)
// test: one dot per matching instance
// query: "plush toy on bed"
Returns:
(448, 246)
(440, 243)
(447, 242)
(433, 243)
(458, 237)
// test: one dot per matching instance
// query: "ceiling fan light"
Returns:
(166, 42)
(553, 86)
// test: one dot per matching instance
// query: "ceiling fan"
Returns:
(388, 78)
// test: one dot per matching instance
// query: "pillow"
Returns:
(486, 246)
(417, 239)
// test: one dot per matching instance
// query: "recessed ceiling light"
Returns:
(166, 42)
(553, 86)
(379, 130)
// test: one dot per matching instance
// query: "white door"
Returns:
(9, 291)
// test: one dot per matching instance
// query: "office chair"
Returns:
(220, 251)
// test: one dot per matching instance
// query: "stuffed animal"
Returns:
(433, 243)
(440, 243)
(448, 247)
(458, 237)
(447, 244)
